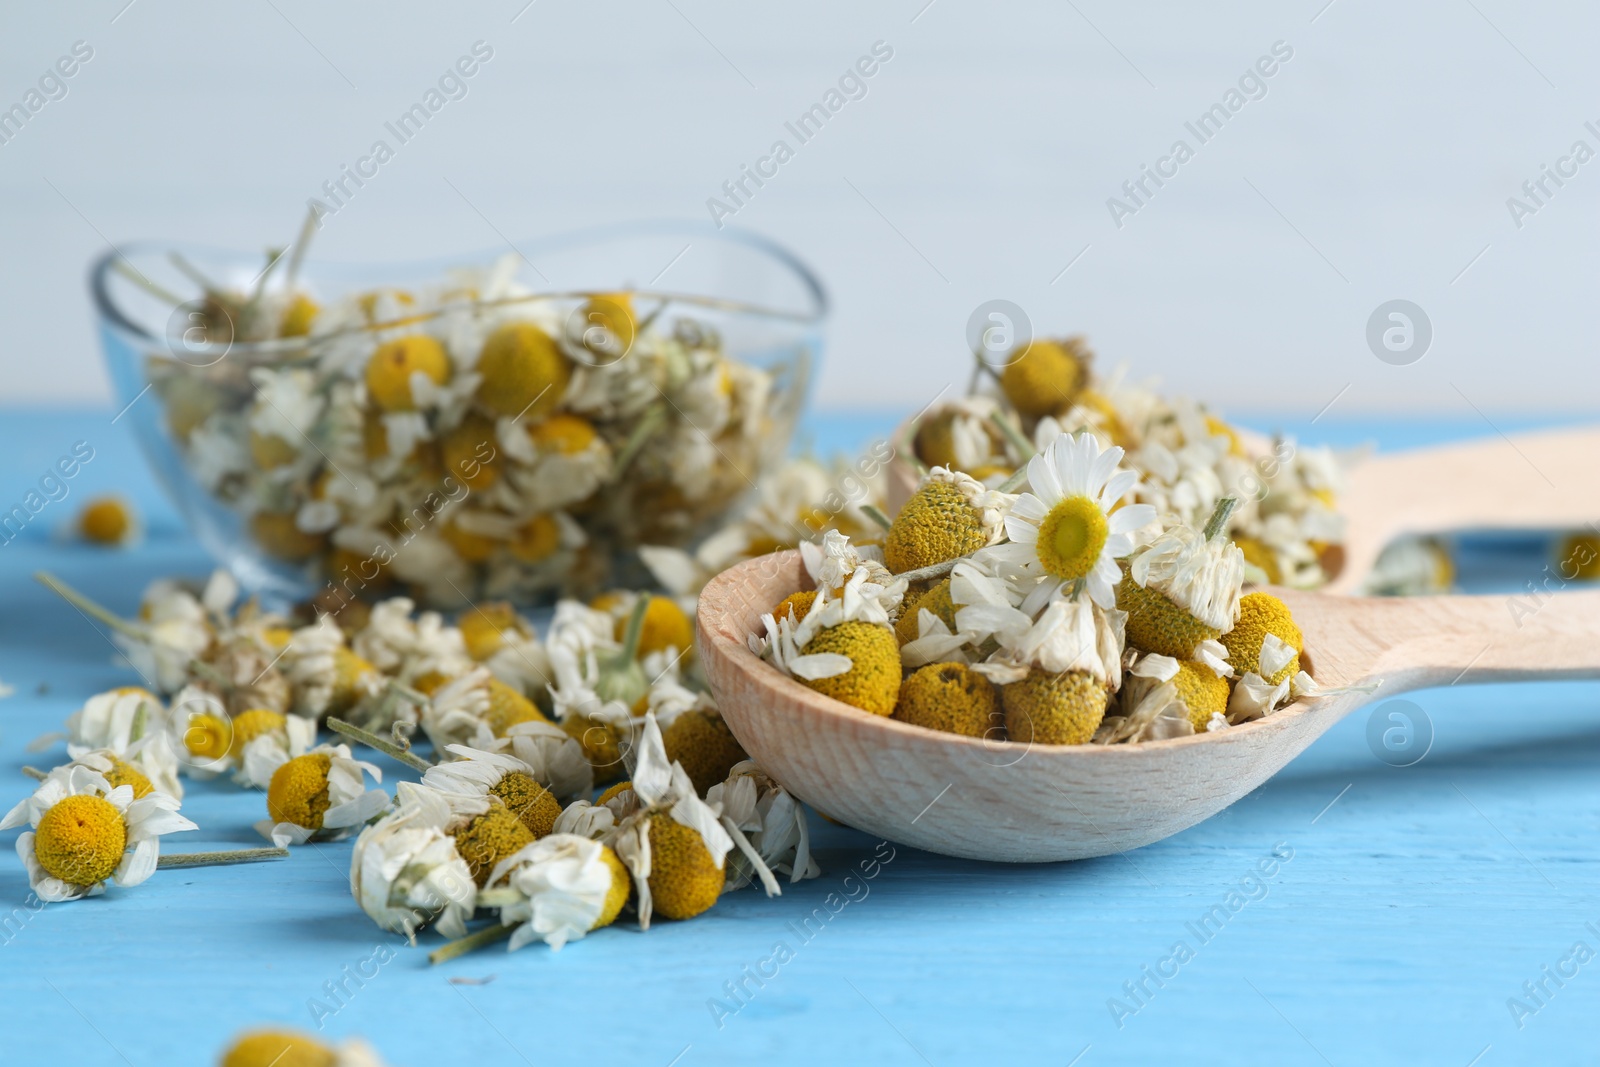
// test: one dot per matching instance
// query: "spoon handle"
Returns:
(1415, 642)
(1532, 481)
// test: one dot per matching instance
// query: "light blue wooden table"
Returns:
(1417, 901)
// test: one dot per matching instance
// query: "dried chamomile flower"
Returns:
(949, 516)
(665, 624)
(131, 724)
(559, 888)
(1069, 529)
(173, 630)
(935, 600)
(674, 844)
(477, 701)
(405, 871)
(1265, 640)
(407, 646)
(524, 373)
(1046, 377)
(289, 1048)
(770, 819)
(701, 742)
(1182, 591)
(484, 629)
(555, 759)
(475, 772)
(1148, 706)
(1412, 566)
(961, 435)
(108, 520)
(265, 740)
(399, 367)
(321, 795)
(327, 677)
(561, 461)
(949, 697)
(1056, 673)
(85, 831)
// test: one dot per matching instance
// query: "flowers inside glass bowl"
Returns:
(461, 432)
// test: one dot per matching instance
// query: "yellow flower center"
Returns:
(298, 792)
(208, 737)
(538, 540)
(566, 434)
(278, 1048)
(490, 838)
(80, 840)
(1071, 537)
(528, 801)
(106, 521)
(126, 774)
(249, 725)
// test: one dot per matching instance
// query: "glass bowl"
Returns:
(509, 425)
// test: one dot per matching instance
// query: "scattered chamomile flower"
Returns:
(1069, 529)
(289, 1048)
(131, 724)
(321, 795)
(771, 819)
(405, 645)
(560, 887)
(265, 740)
(1182, 591)
(475, 772)
(328, 677)
(949, 516)
(701, 742)
(85, 831)
(673, 844)
(405, 871)
(109, 521)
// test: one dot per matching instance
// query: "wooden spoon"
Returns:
(1543, 481)
(1034, 803)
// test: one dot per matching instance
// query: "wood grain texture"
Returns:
(1005, 801)
(1545, 480)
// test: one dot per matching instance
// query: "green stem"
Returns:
(297, 253)
(875, 513)
(472, 942)
(130, 272)
(1219, 517)
(630, 636)
(1018, 479)
(650, 422)
(372, 740)
(87, 606)
(1014, 438)
(222, 859)
(649, 320)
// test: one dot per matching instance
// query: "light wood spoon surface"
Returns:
(1545, 480)
(1033, 803)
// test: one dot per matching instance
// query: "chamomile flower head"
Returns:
(1150, 708)
(1046, 377)
(288, 1048)
(961, 435)
(264, 740)
(485, 628)
(524, 372)
(131, 724)
(770, 819)
(950, 697)
(116, 770)
(560, 461)
(1069, 529)
(108, 520)
(407, 646)
(834, 562)
(1197, 693)
(563, 886)
(405, 871)
(1265, 639)
(1071, 635)
(702, 744)
(321, 794)
(673, 844)
(174, 630)
(1053, 708)
(949, 516)
(935, 600)
(477, 772)
(1182, 590)
(403, 367)
(328, 678)
(86, 832)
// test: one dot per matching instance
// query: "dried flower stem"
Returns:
(222, 859)
(1013, 437)
(35, 773)
(875, 513)
(130, 272)
(1219, 517)
(649, 423)
(372, 740)
(87, 606)
(461, 946)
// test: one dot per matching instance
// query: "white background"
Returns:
(1377, 166)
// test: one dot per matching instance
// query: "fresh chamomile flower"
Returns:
(1069, 529)
(702, 744)
(477, 772)
(558, 889)
(1182, 591)
(131, 724)
(949, 516)
(673, 844)
(85, 831)
(321, 795)
(1265, 640)
(289, 1048)
(949, 697)
(1046, 377)
(405, 871)
(770, 819)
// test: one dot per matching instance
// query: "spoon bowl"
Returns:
(1021, 803)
